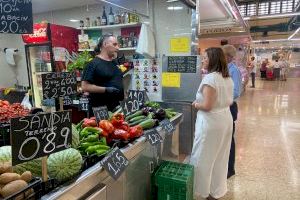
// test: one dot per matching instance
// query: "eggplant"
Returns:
(160, 114)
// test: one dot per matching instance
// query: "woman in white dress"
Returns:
(213, 129)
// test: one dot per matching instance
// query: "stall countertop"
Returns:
(90, 177)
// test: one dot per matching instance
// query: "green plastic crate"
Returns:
(174, 181)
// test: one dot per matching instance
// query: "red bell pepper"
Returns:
(89, 123)
(117, 119)
(135, 131)
(120, 134)
(106, 126)
(124, 126)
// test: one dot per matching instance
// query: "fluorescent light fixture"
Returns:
(175, 8)
(275, 40)
(273, 16)
(170, 1)
(74, 20)
(294, 34)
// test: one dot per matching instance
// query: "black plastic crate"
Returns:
(35, 185)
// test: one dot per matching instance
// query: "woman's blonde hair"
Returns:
(229, 50)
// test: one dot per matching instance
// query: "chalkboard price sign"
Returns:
(153, 137)
(16, 16)
(130, 105)
(141, 96)
(182, 64)
(58, 85)
(67, 101)
(101, 113)
(40, 135)
(115, 163)
(167, 126)
(84, 103)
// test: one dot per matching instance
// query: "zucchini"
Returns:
(136, 122)
(147, 124)
(137, 113)
(137, 118)
(117, 111)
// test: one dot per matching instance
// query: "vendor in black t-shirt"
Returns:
(102, 78)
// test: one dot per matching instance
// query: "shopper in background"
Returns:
(252, 67)
(213, 127)
(276, 70)
(263, 68)
(230, 52)
(284, 69)
(102, 79)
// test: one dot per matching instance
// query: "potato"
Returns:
(13, 187)
(5, 167)
(26, 176)
(9, 177)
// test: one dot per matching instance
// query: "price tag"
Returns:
(130, 106)
(141, 96)
(84, 103)
(67, 101)
(115, 163)
(16, 17)
(167, 126)
(58, 85)
(40, 135)
(101, 113)
(153, 137)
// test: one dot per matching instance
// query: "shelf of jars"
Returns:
(110, 26)
(121, 49)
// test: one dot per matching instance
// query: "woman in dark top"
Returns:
(102, 78)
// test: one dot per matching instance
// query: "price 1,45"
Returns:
(115, 163)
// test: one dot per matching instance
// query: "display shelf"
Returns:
(94, 175)
(110, 26)
(121, 49)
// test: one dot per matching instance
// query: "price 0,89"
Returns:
(52, 143)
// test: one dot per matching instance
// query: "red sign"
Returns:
(39, 34)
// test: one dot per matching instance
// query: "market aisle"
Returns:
(268, 143)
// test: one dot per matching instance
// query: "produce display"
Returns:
(63, 165)
(89, 140)
(8, 111)
(11, 183)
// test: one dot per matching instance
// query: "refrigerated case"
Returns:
(48, 49)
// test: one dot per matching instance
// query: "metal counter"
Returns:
(134, 182)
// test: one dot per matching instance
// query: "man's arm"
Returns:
(91, 88)
(237, 82)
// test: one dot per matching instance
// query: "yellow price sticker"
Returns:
(171, 80)
(180, 45)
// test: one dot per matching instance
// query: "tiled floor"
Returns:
(268, 143)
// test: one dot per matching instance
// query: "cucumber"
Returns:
(137, 118)
(137, 113)
(147, 124)
(136, 122)
(117, 111)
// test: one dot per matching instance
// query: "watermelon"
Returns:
(5, 153)
(34, 166)
(75, 137)
(64, 165)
